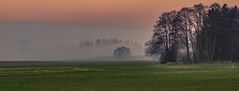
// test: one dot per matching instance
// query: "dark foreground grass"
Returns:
(121, 76)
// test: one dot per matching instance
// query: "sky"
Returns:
(48, 23)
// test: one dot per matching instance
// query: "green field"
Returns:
(117, 76)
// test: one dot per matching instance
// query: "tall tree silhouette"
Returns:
(205, 34)
(165, 38)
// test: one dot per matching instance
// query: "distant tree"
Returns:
(98, 42)
(190, 25)
(106, 42)
(122, 52)
(198, 15)
(222, 32)
(204, 34)
(185, 26)
(165, 38)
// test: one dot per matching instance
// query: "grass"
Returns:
(119, 76)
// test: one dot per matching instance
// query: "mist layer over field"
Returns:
(59, 42)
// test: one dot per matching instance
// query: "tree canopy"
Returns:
(122, 52)
(196, 34)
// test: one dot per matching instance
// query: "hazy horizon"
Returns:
(50, 29)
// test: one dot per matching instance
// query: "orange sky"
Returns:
(90, 10)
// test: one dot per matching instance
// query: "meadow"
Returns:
(117, 76)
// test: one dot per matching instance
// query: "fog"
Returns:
(53, 29)
(29, 42)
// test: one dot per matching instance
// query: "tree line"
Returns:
(198, 34)
(105, 42)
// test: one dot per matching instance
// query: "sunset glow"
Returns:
(90, 10)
